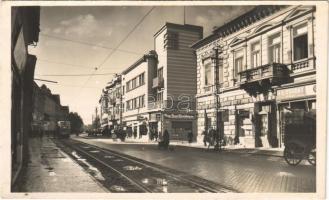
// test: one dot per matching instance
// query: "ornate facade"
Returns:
(254, 69)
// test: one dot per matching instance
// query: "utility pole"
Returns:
(184, 16)
(215, 64)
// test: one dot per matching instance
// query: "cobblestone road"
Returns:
(243, 172)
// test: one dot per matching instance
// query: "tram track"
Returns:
(153, 173)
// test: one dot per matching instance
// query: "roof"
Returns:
(189, 27)
(151, 54)
(240, 22)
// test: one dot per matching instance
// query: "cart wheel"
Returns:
(312, 158)
(292, 154)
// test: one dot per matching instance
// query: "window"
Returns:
(255, 54)
(208, 78)
(123, 90)
(128, 85)
(238, 62)
(160, 72)
(128, 105)
(141, 79)
(171, 40)
(274, 48)
(133, 83)
(160, 96)
(300, 42)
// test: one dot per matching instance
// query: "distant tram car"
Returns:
(64, 129)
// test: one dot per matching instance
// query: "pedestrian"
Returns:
(205, 135)
(190, 137)
(135, 133)
(151, 134)
(216, 139)
(166, 139)
(156, 135)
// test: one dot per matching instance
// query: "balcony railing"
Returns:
(269, 71)
(158, 82)
(212, 88)
(303, 65)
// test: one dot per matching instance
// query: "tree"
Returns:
(76, 122)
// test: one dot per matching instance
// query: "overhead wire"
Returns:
(101, 74)
(117, 47)
(88, 43)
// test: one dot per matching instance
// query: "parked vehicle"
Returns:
(300, 137)
(64, 129)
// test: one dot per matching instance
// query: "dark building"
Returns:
(24, 32)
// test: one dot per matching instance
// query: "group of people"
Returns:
(212, 137)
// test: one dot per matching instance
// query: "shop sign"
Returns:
(20, 52)
(178, 116)
(296, 92)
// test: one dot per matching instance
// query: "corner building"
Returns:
(254, 70)
(172, 95)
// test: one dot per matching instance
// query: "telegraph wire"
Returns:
(101, 74)
(60, 63)
(88, 44)
(120, 43)
(125, 38)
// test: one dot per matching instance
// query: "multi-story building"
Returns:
(114, 97)
(137, 84)
(104, 102)
(24, 32)
(47, 109)
(253, 70)
(172, 95)
(158, 91)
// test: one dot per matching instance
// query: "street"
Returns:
(234, 172)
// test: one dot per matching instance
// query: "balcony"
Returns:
(112, 101)
(261, 79)
(302, 66)
(212, 88)
(155, 105)
(158, 82)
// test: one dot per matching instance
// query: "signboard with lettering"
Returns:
(178, 116)
(296, 92)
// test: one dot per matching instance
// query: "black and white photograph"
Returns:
(119, 99)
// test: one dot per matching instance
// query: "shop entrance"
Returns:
(181, 130)
(265, 124)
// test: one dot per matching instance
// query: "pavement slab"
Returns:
(51, 170)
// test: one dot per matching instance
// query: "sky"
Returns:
(78, 40)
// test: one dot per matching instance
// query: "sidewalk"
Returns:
(51, 170)
(278, 152)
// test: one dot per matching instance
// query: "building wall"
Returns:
(139, 91)
(181, 64)
(233, 98)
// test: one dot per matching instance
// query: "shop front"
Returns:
(293, 105)
(180, 126)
